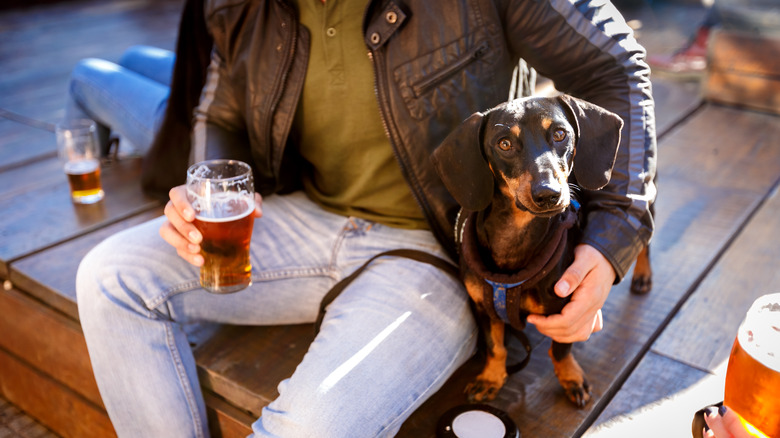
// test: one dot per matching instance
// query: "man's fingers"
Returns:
(186, 250)
(571, 279)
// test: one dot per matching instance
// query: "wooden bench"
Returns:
(659, 358)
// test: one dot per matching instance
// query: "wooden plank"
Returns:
(702, 333)
(748, 53)
(22, 143)
(230, 361)
(225, 421)
(42, 45)
(697, 342)
(34, 220)
(714, 170)
(748, 91)
(744, 69)
(14, 423)
(50, 275)
(56, 407)
(659, 400)
(48, 340)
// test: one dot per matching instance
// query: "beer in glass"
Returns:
(753, 373)
(77, 146)
(222, 194)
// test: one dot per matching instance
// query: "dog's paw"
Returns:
(577, 392)
(641, 284)
(482, 390)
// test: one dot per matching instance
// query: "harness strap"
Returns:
(413, 254)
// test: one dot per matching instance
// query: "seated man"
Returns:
(338, 107)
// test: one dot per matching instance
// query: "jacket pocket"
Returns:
(430, 81)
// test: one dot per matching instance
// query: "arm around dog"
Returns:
(587, 49)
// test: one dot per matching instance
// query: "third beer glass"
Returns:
(222, 194)
(77, 146)
(753, 374)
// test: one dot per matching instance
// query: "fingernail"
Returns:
(563, 287)
(194, 236)
(189, 214)
(711, 411)
(722, 410)
(194, 248)
(199, 260)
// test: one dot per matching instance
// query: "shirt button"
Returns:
(391, 17)
(331, 32)
(375, 38)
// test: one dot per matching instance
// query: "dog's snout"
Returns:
(546, 196)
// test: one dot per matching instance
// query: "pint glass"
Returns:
(222, 194)
(77, 146)
(753, 373)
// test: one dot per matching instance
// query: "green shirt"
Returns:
(352, 167)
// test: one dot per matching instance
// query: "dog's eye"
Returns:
(504, 144)
(559, 135)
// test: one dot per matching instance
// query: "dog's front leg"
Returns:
(570, 374)
(493, 376)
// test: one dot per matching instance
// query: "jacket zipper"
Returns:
(413, 184)
(287, 63)
(425, 85)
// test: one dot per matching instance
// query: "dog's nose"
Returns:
(546, 196)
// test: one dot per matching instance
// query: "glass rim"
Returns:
(76, 125)
(246, 172)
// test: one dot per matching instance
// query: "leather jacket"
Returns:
(435, 64)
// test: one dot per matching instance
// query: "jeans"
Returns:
(387, 343)
(129, 98)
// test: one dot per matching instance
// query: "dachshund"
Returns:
(509, 169)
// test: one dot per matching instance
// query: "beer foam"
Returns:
(759, 334)
(223, 206)
(81, 167)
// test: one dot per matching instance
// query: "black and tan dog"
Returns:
(509, 169)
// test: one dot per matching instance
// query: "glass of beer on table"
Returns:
(222, 194)
(753, 373)
(77, 146)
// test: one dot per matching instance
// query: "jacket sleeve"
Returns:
(219, 129)
(586, 48)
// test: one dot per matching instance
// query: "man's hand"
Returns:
(588, 280)
(179, 230)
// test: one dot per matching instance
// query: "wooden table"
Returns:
(660, 357)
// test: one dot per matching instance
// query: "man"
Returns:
(338, 106)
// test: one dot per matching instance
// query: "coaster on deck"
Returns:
(476, 421)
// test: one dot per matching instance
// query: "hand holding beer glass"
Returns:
(222, 194)
(77, 146)
(753, 373)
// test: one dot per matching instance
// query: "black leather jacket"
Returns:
(436, 62)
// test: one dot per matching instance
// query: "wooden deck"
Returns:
(660, 358)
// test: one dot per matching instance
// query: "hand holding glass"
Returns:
(222, 194)
(77, 146)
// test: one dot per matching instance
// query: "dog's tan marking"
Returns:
(572, 378)
(493, 376)
(474, 288)
(531, 304)
(518, 188)
(546, 123)
(515, 130)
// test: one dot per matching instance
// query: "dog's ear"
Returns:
(461, 166)
(598, 138)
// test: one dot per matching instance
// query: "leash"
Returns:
(413, 254)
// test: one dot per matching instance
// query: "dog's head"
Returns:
(527, 148)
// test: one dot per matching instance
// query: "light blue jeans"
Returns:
(387, 343)
(129, 98)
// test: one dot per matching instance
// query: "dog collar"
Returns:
(502, 291)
